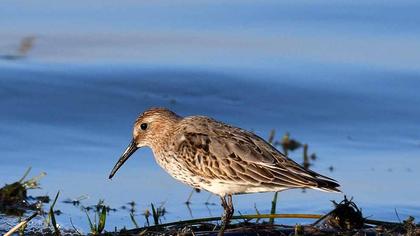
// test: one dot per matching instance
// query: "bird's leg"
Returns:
(228, 213)
(225, 208)
(230, 206)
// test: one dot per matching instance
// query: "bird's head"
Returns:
(149, 129)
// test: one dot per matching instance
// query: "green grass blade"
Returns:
(133, 220)
(52, 216)
(102, 220)
(91, 226)
(155, 215)
(273, 207)
(55, 200)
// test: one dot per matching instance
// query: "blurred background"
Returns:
(341, 76)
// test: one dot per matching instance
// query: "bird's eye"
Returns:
(143, 126)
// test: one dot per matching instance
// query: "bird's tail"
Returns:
(326, 184)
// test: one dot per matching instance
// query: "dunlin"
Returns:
(225, 160)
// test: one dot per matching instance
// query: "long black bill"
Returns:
(132, 147)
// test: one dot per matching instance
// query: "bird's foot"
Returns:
(227, 215)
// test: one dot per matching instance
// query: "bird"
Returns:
(223, 159)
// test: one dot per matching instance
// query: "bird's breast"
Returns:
(178, 170)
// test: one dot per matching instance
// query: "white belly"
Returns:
(223, 188)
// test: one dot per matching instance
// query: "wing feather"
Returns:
(226, 153)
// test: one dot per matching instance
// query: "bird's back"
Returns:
(228, 160)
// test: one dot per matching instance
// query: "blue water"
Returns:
(340, 76)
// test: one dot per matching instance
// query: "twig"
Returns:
(74, 227)
(257, 211)
(23, 223)
(323, 217)
(379, 222)
(25, 174)
(188, 202)
(254, 216)
(208, 199)
(398, 216)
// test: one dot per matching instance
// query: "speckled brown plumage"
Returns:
(222, 159)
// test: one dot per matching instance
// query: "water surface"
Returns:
(342, 77)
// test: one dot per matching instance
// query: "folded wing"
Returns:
(225, 153)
